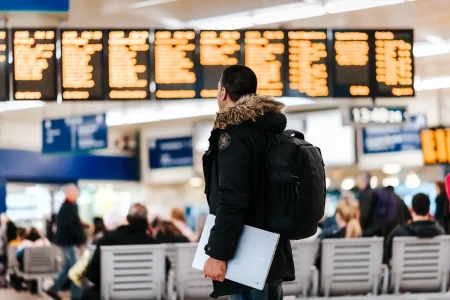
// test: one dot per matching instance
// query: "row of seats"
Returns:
(348, 267)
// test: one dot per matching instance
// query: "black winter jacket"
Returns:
(235, 180)
(421, 229)
(69, 231)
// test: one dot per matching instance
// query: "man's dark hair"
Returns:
(239, 81)
(137, 214)
(421, 204)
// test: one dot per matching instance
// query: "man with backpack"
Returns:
(241, 180)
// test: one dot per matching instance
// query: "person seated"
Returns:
(421, 226)
(179, 220)
(99, 229)
(134, 233)
(32, 239)
(168, 233)
(347, 220)
(21, 235)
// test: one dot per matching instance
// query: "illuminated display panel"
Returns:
(218, 50)
(308, 71)
(264, 51)
(436, 146)
(351, 63)
(128, 64)
(394, 63)
(34, 68)
(82, 64)
(4, 66)
(175, 76)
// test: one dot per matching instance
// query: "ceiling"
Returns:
(429, 18)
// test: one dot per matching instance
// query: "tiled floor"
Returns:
(10, 294)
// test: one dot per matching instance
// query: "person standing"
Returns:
(442, 214)
(234, 176)
(365, 199)
(69, 235)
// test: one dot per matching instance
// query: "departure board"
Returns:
(34, 68)
(175, 76)
(394, 63)
(218, 50)
(307, 58)
(264, 52)
(4, 66)
(128, 64)
(351, 63)
(436, 146)
(82, 65)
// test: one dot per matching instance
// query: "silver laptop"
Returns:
(252, 258)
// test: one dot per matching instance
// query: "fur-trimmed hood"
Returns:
(248, 108)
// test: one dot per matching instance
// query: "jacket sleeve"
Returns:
(234, 169)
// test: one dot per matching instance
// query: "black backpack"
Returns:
(295, 185)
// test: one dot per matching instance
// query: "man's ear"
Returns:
(223, 94)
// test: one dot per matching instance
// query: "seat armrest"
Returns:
(171, 285)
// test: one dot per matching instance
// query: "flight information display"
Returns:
(128, 64)
(436, 145)
(82, 65)
(264, 53)
(307, 59)
(218, 50)
(175, 57)
(351, 63)
(4, 66)
(35, 71)
(394, 63)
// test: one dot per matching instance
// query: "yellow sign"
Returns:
(436, 146)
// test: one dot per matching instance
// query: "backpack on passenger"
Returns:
(386, 207)
(296, 185)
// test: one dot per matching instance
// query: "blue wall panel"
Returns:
(17, 165)
(2, 195)
(35, 5)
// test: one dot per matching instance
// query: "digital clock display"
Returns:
(377, 115)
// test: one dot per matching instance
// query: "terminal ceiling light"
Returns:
(327, 182)
(433, 83)
(196, 182)
(412, 181)
(147, 3)
(391, 181)
(391, 169)
(347, 184)
(431, 48)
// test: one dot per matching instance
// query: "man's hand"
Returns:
(215, 269)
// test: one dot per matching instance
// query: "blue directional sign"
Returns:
(386, 139)
(72, 134)
(54, 6)
(169, 153)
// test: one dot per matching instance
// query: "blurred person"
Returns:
(179, 220)
(403, 212)
(11, 229)
(50, 228)
(69, 235)
(234, 174)
(99, 229)
(442, 214)
(134, 233)
(168, 233)
(365, 198)
(21, 235)
(422, 225)
(334, 224)
(347, 220)
(32, 239)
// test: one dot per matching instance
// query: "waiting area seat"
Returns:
(133, 272)
(304, 254)
(190, 283)
(351, 266)
(420, 265)
(39, 263)
(13, 264)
